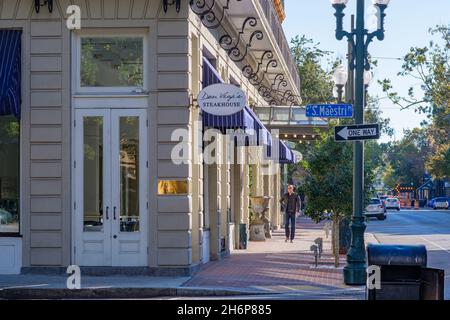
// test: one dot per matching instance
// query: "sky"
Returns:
(407, 23)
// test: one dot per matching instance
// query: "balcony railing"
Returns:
(277, 29)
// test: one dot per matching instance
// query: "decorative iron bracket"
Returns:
(167, 3)
(38, 5)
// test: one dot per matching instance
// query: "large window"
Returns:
(111, 63)
(9, 175)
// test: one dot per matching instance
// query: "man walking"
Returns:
(291, 204)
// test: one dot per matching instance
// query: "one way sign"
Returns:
(357, 132)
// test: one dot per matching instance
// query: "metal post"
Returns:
(355, 270)
(340, 92)
(350, 88)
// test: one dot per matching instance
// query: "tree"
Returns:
(430, 66)
(317, 83)
(407, 158)
(328, 185)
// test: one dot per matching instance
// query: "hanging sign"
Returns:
(222, 99)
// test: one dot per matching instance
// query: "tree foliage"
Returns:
(317, 83)
(407, 158)
(430, 66)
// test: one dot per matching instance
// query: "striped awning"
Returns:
(10, 72)
(286, 155)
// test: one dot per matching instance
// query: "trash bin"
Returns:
(404, 273)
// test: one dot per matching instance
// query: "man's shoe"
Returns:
(292, 241)
(286, 240)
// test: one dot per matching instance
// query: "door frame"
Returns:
(145, 163)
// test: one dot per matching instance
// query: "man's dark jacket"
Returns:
(291, 203)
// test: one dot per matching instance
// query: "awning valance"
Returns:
(10, 72)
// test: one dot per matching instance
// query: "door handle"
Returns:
(107, 213)
(115, 217)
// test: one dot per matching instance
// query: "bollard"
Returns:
(315, 251)
(319, 243)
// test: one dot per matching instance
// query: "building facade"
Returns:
(90, 119)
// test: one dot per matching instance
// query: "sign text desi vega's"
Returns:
(222, 99)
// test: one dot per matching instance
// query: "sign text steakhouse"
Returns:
(221, 104)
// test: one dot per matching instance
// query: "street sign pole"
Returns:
(355, 270)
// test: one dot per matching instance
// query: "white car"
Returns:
(376, 209)
(392, 203)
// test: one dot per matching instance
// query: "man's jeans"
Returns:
(289, 225)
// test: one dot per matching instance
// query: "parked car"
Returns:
(393, 203)
(431, 203)
(376, 209)
(440, 203)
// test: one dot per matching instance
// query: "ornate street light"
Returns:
(360, 38)
(340, 77)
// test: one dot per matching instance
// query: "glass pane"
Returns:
(281, 115)
(112, 62)
(9, 174)
(263, 114)
(129, 174)
(93, 174)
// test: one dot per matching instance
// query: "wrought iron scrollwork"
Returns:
(212, 14)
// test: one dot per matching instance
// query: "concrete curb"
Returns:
(118, 293)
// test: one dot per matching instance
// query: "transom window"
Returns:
(111, 62)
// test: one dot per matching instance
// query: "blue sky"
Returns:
(407, 24)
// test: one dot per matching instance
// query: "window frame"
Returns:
(110, 33)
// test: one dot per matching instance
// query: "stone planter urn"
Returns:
(260, 228)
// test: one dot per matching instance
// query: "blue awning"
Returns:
(210, 74)
(10, 72)
(245, 120)
(286, 156)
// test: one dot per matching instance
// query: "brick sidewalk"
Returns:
(277, 267)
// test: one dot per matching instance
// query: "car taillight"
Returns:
(380, 206)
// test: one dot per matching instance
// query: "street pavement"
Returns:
(411, 227)
(270, 270)
(281, 270)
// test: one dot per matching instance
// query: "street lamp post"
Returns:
(360, 38)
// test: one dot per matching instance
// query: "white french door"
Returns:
(110, 187)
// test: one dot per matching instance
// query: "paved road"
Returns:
(431, 228)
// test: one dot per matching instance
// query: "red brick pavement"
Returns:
(276, 266)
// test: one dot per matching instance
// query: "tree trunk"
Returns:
(336, 240)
